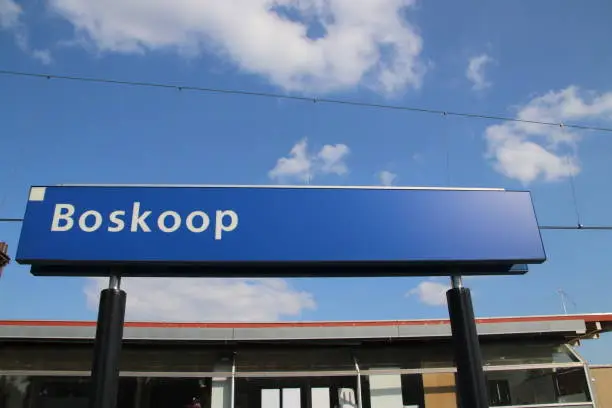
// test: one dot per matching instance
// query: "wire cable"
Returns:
(542, 227)
(301, 98)
(444, 113)
(576, 227)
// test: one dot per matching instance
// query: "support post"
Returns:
(471, 385)
(233, 387)
(359, 386)
(107, 346)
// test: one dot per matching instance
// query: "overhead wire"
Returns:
(577, 227)
(301, 98)
(542, 227)
(316, 100)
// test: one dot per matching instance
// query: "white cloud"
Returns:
(358, 42)
(303, 166)
(297, 165)
(22, 40)
(332, 159)
(475, 72)
(10, 20)
(194, 299)
(386, 177)
(10, 13)
(430, 293)
(526, 151)
(44, 56)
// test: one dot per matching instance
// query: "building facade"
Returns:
(528, 362)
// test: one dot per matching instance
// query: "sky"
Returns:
(545, 61)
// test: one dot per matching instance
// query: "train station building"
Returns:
(528, 361)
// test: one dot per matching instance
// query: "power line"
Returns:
(300, 98)
(542, 227)
(576, 227)
(579, 226)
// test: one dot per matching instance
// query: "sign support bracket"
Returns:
(107, 346)
(471, 384)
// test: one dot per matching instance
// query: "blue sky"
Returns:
(545, 60)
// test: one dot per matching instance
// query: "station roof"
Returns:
(570, 328)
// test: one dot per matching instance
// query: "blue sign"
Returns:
(277, 231)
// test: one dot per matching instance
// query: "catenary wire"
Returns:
(301, 98)
(576, 227)
(320, 100)
(542, 227)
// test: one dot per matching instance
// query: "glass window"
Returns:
(57, 392)
(408, 356)
(169, 359)
(547, 386)
(74, 392)
(14, 391)
(441, 355)
(499, 392)
(504, 353)
(302, 392)
(413, 393)
(71, 357)
(177, 392)
(295, 359)
(63, 357)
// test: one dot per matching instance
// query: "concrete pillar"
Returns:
(221, 388)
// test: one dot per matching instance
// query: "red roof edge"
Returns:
(588, 318)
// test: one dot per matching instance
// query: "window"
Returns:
(546, 386)
(503, 353)
(413, 393)
(177, 392)
(73, 357)
(57, 392)
(499, 392)
(14, 391)
(295, 392)
(441, 354)
(67, 392)
(294, 359)
(410, 356)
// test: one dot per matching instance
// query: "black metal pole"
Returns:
(107, 346)
(471, 384)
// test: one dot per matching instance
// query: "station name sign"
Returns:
(277, 231)
(141, 220)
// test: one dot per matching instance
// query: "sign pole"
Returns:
(471, 383)
(107, 346)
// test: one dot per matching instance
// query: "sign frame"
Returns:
(281, 268)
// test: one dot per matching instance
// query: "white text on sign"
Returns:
(139, 221)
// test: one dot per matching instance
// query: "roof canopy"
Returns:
(572, 328)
